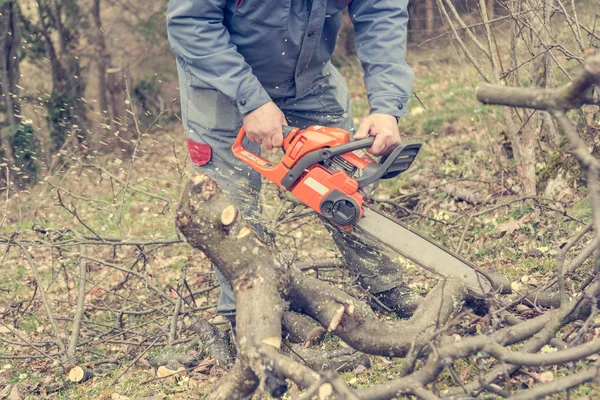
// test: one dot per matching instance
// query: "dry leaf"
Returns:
(465, 373)
(515, 286)
(508, 227)
(15, 394)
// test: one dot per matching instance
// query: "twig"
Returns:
(173, 328)
(28, 343)
(5, 216)
(130, 271)
(46, 303)
(460, 41)
(78, 317)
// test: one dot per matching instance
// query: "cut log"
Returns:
(80, 374)
(228, 216)
(302, 328)
(215, 343)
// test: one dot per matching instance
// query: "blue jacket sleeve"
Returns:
(380, 35)
(203, 46)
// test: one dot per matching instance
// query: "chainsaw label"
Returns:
(256, 159)
(316, 186)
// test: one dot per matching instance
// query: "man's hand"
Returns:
(385, 129)
(264, 126)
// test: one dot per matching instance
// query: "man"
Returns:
(266, 63)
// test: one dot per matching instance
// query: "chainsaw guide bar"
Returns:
(422, 251)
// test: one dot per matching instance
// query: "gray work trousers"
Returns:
(212, 121)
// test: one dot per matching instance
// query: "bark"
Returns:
(356, 326)
(250, 268)
(491, 8)
(340, 360)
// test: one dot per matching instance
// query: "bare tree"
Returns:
(67, 112)
(10, 58)
(531, 32)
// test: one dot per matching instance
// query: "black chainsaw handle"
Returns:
(390, 166)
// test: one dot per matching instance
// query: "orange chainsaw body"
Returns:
(319, 167)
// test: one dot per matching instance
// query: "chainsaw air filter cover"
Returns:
(340, 209)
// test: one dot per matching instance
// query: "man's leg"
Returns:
(328, 104)
(212, 122)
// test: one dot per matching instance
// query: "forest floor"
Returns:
(462, 174)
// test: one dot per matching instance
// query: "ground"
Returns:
(463, 170)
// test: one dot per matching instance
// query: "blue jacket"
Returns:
(255, 50)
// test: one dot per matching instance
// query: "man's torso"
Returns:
(286, 42)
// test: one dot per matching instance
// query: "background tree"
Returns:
(17, 144)
(67, 110)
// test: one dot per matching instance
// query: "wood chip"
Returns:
(196, 179)
(274, 341)
(350, 309)
(337, 318)
(325, 391)
(244, 232)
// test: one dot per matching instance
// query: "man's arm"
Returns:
(203, 44)
(380, 35)
(380, 28)
(201, 41)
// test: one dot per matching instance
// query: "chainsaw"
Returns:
(334, 176)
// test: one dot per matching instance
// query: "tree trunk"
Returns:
(10, 57)
(115, 85)
(66, 109)
(103, 59)
(542, 75)
(429, 16)
(491, 4)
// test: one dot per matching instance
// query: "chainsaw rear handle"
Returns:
(255, 161)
